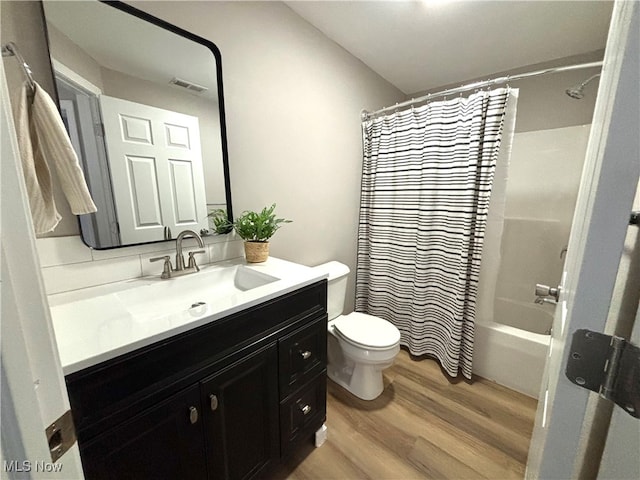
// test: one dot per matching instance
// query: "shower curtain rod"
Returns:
(480, 84)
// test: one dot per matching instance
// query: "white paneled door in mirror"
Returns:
(156, 168)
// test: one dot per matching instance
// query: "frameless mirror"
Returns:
(142, 101)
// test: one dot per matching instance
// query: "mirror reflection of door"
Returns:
(126, 54)
(80, 112)
(156, 170)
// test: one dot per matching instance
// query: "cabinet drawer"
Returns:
(302, 354)
(302, 413)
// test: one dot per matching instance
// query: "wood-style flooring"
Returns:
(423, 426)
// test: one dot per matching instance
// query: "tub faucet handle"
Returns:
(546, 291)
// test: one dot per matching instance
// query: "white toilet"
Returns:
(359, 346)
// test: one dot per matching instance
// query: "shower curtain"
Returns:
(426, 185)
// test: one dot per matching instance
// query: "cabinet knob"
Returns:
(213, 399)
(305, 409)
(193, 415)
(306, 354)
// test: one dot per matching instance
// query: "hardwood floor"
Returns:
(422, 426)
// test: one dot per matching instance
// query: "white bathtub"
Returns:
(510, 356)
(524, 315)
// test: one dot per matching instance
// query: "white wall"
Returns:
(542, 187)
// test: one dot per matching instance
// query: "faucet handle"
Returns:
(166, 271)
(192, 260)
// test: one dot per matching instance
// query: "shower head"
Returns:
(577, 91)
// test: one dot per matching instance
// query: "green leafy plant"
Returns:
(220, 221)
(258, 226)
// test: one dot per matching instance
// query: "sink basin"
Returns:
(99, 323)
(210, 285)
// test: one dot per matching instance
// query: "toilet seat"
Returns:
(366, 331)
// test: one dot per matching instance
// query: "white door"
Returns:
(33, 392)
(609, 182)
(156, 170)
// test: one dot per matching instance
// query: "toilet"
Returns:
(359, 346)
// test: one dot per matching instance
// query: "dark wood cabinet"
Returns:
(241, 423)
(227, 400)
(302, 413)
(164, 442)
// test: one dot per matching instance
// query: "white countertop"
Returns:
(99, 323)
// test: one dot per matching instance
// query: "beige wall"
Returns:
(293, 101)
(74, 57)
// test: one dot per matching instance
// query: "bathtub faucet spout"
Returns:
(543, 300)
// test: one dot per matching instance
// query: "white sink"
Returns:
(209, 286)
(99, 323)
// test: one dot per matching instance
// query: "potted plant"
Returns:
(256, 228)
(220, 221)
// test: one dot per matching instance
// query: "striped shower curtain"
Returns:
(426, 185)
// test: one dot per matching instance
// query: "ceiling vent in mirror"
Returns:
(194, 87)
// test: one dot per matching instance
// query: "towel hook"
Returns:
(11, 50)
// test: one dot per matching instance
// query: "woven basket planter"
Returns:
(256, 252)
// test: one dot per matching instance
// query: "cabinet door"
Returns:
(241, 423)
(163, 442)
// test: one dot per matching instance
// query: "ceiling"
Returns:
(420, 45)
(415, 45)
(134, 46)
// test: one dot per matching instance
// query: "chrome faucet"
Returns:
(180, 269)
(180, 258)
(543, 300)
(546, 294)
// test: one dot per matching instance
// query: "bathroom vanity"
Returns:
(226, 394)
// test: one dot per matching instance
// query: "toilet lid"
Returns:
(367, 330)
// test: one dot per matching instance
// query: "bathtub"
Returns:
(524, 315)
(510, 356)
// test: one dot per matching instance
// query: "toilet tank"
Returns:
(337, 286)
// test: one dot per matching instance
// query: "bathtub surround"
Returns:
(512, 332)
(426, 186)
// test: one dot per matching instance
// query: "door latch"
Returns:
(61, 435)
(608, 365)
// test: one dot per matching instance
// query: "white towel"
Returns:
(43, 140)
